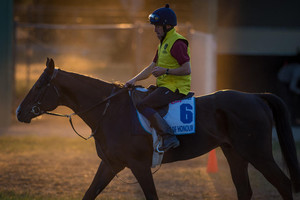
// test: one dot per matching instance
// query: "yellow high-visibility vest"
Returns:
(166, 60)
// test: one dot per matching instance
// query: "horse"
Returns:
(240, 123)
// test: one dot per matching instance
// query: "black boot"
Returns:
(165, 131)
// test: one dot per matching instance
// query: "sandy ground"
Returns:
(65, 166)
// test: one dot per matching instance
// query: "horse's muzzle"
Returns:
(21, 117)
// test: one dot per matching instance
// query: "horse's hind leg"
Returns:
(258, 151)
(268, 167)
(239, 172)
(102, 178)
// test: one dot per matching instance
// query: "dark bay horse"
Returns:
(240, 123)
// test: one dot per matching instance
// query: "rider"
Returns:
(171, 66)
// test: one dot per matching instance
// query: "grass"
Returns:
(35, 167)
(11, 195)
(59, 167)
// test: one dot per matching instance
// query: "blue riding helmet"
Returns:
(163, 16)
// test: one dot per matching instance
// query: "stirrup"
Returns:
(171, 145)
(157, 149)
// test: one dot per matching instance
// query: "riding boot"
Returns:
(165, 131)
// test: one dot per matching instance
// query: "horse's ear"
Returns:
(50, 65)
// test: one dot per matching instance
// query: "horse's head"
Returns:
(42, 97)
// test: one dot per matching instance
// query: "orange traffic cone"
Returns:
(212, 164)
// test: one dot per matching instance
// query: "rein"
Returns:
(107, 99)
(37, 110)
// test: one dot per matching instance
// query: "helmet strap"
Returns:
(165, 33)
(166, 30)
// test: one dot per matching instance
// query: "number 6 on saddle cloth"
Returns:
(180, 114)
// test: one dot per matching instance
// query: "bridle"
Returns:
(36, 110)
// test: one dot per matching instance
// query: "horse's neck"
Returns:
(80, 92)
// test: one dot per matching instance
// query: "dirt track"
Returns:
(49, 160)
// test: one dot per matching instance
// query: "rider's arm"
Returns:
(184, 69)
(145, 73)
(179, 51)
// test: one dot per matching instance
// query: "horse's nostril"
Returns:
(18, 112)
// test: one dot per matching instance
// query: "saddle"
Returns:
(180, 114)
(142, 125)
(139, 93)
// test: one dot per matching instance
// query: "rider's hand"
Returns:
(158, 71)
(130, 83)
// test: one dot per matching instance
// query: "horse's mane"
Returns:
(94, 82)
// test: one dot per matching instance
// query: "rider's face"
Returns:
(159, 30)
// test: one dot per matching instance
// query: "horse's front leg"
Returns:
(102, 178)
(144, 177)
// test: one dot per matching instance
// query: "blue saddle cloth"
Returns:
(180, 115)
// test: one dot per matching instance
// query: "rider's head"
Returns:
(164, 17)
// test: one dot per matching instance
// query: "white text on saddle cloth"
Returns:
(180, 117)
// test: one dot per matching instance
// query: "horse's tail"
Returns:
(286, 140)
